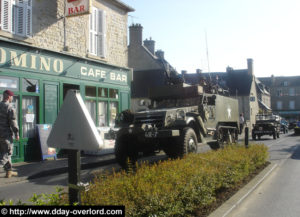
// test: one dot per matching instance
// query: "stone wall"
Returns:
(48, 31)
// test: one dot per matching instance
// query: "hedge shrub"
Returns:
(176, 187)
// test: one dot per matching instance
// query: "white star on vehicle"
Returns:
(229, 112)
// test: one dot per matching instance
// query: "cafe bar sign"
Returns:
(77, 7)
(59, 65)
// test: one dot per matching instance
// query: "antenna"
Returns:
(132, 18)
(207, 57)
(207, 52)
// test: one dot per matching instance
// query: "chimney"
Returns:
(198, 71)
(229, 69)
(150, 45)
(160, 54)
(136, 34)
(272, 80)
(250, 66)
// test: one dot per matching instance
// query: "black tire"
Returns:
(253, 136)
(221, 138)
(214, 145)
(170, 148)
(186, 143)
(236, 132)
(274, 135)
(126, 153)
(190, 142)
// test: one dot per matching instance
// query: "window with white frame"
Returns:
(97, 32)
(16, 17)
(279, 105)
(279, 92)
(292, 104)
(292, 92)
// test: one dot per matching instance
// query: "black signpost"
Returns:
(74, 176)
(246, 137)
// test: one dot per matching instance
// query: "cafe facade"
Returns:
(40, 79)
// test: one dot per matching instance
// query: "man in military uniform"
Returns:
(8, 126)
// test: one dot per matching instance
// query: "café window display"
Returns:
(113, 113)
(91, 107)
(102, 114)
(30, 85)
(29, 111)
(9, 83)
(102, 104)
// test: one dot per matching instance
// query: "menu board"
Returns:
(43, 134)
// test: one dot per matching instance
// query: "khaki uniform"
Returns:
(8, 126)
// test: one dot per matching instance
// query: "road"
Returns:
(279, 194)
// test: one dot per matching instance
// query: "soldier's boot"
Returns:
(10, 173)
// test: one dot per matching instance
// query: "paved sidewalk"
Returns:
(38, 169)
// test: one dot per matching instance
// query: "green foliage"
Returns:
(57, 198)
(176, 187)
(48, 199)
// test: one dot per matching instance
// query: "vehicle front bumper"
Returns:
(262, 132)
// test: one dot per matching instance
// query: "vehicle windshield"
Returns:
(172, 103)
(267, 118)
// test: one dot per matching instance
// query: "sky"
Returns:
(213, 34)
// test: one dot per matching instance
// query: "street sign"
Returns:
(74, 128)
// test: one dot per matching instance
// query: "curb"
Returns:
(238, 197)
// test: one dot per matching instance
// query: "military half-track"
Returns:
(178, 118)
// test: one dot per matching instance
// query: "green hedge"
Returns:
(177, 187)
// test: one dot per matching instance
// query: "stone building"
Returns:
(285, 95)
(150, 68)
(48, 47)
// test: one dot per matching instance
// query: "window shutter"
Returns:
(28, 18)
(19, 23)
(6, 15)
(101, 33)
(93, 33)
(97, 33)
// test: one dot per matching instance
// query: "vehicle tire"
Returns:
(221, 138)
(274, 135)
(126, 153)
(171, 148)
(214, 145)
(253, 136)
(236, 132)
(190, 141)
(187, 142)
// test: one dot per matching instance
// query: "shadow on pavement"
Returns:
(296, 154)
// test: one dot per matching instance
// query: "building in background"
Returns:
(45, 50)
(285, 95)
(150, 68)
(239, 83)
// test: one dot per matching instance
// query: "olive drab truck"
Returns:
(179, 118)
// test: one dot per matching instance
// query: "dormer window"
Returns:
(16, 17)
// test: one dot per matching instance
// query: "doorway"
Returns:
(67, 87)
